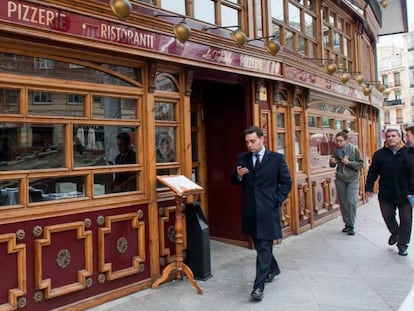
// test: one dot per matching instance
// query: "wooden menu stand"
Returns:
(182, 187)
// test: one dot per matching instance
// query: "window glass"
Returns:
(177, 6)
(281, 142)
(229, 16)
(194, 146)
(204, 10)
(56, 188)
(309, 25)
(164, 111)
(9, 101)
(298, 145)
(9, 192)
(31, 146)
(166, 144)
(312, 121)
(114, 107)
(280, 121)
(321, 146)
(165, 83)
(294, 16)
(56, 104)
(99, 145)
(277, 9)
(119, 181)
(41, 67)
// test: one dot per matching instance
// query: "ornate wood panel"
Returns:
(167, 234)
(58, 243)
(117, 255)
(305, 203)
(16, 296)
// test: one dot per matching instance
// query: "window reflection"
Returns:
(165, 138)
(114, 107)
(9, 192)
(281, 138)
(108, 182)
(164, 111)
(56, 188)
(56, 104)
(321, 146)
(97, 145)
(204, 10)
(31, 146)
(9, 100)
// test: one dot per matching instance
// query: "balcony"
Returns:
(395, 102)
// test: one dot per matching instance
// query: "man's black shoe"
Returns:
(271, 276)
(402, 250)
(393, 239)
(257, 294)
(345, 229)
(351, 231)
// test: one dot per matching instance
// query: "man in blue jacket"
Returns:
(387, 164)
(266, 183)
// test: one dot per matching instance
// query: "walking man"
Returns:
(266, 183)
(387, 163)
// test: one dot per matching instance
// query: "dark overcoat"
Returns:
(263, 191)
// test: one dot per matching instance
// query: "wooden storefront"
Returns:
(73, 76)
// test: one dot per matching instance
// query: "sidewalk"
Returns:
(322, 270)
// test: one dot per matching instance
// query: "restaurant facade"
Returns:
(182, 79)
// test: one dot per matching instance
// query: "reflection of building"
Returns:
(84, 68)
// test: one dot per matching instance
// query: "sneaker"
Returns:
(393, 239)
(345, 229)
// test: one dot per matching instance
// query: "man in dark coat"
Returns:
(265, 185)
(387, 163)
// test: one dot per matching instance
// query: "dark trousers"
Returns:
(265, 262)
(403, 228)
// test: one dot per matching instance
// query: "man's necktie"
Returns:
(257, 162)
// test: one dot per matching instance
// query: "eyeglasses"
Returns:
(340, 140)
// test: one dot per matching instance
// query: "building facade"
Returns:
(396, 68)
(83, 217)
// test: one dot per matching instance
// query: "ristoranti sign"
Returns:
(74, 24)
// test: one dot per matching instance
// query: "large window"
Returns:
(294, 25)
(336, 34)
(72, 143)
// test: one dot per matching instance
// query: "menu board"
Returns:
(180, 184)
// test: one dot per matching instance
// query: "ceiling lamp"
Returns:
(359, 79)
(366, 90)
(345, 77)
(272, 45)
(181, 30)
(330, 66)
(121, 8)
(386, 92)
(238, 36)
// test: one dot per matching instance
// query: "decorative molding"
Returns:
(106, 233)
(16, 297)
(81, 275)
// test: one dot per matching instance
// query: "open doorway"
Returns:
(223, 109)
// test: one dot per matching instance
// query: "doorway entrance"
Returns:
(223, 110)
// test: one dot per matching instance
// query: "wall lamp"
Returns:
(271, 44)
(121, 8)
(384, 3)
(378, 85)
(346, 75)
(182, 31)
(330, 66)
(238, 36)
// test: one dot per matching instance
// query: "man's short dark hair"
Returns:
(253, 129)
(124, 137)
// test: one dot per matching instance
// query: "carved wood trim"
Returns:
(106, 267)
(82, 275)
(20, 251)
(165, 218)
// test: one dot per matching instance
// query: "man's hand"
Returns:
(241, 170)
(369, 194)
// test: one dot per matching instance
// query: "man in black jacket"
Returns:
(387, 163)
(266, 183)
